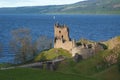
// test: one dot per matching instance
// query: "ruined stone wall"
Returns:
(62, 39)
(87, 51)
(84, 52)
(68, 45)
(61, 32)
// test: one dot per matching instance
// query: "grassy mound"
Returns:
(37, 74)
(85, 67)
(111, 73)
(52, 54)
(112, 43)
(95, 67)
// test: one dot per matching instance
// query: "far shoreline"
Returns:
(58, 14)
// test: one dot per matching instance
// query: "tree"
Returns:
(21, 44)
(43, 43)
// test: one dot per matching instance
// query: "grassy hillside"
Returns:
(94, 67)
(52, 54)
(112, 42)
(36, 74)
(96, 7)
(85, 67)
(109, 74)
(90, 69)
(85, 7)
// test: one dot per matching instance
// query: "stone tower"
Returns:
(61, 37)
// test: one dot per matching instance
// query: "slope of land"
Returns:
(68, 70)
(96, 67)
(52, 54)
(100, 66)
(84, 7)
(111, 73)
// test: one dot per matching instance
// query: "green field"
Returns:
(108, 74)
(67, 70)
(89, 68)
(37, 74)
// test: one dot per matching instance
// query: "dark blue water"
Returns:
(93, 27)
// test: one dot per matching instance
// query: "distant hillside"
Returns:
(84, 7)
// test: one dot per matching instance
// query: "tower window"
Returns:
(59, 31)
(62, 36)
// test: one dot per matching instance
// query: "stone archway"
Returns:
(77, 57)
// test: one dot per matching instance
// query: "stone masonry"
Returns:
(62, 40)
(61, 37)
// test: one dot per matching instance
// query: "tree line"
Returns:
(24, 47)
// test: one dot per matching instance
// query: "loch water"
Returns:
(92, 27)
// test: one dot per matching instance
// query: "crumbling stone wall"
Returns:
(87, 50)
(61, 37)
(62, 40)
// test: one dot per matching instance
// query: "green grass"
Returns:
(85, 67)
(67, 70)
(111, 73)
(51, 54)
(89, 68)
(37, 74)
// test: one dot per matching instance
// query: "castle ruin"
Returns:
(61, 37)
(62, 40)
